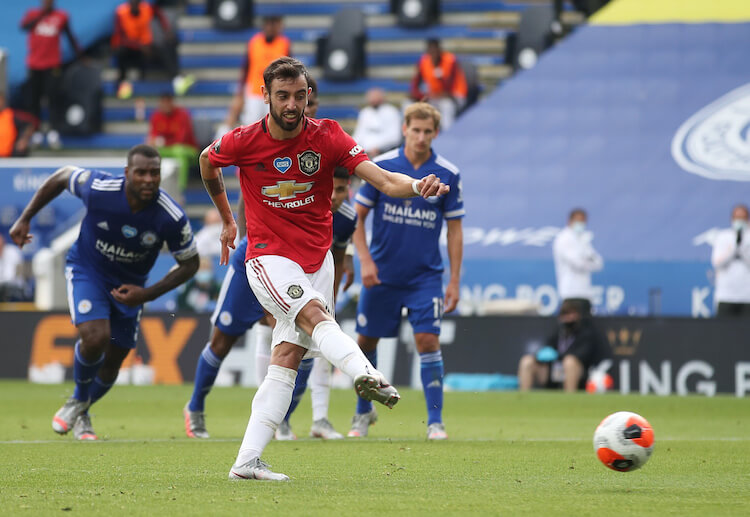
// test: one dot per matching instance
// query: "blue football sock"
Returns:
(432, 382)
(300, 385)
(83, 373)
(365, 406)
(205, 375)
(98, 389)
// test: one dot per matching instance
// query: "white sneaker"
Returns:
(324, 429)
(255, 469)
(371, 386)
(284, 432)
(66, 416)
(83, 430)
(361, 422)
(195, 423)
(436, 431)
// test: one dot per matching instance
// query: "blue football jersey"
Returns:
(406, 232)
(344, 222)
(117, 244)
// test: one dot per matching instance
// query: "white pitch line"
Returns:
(390, 440)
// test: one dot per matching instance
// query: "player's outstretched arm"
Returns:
(213, 180)
(395, 184)
(455, 237)
(50, 189)
(135, 295)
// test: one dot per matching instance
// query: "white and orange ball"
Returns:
(624, 441)
(599, 382)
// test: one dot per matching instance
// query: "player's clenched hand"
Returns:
(451, 297)
(19, 232)
(431, 186)
(369, 273)
(130, 295)
(228, 234)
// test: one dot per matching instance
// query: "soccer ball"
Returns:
(599, 382)
(624, 441)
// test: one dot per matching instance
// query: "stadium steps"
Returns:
(474, 30)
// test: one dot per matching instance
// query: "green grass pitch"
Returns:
(508, 454)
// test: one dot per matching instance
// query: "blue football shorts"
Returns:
(380, 306)
(237, 308)
(89, 299)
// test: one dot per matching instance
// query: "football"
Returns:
(599, 382)
(624, 441)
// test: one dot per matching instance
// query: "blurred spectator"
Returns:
(44, 60)
(378, 124)
(568, 354)
(311, 110)
(575, 260)
(133, 44)
(16, 128)
(731, 260)
(444, 80)
(11, 271)
(199, 294)
(171, 132)
(262, 49)
(207, 238)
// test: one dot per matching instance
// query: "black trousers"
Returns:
(43, 83)
(164, 57)
(733, 310)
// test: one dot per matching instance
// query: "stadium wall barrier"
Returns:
(659, 356)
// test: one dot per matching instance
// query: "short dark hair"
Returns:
(577, 211)
(143, 150)
(284, 68)
(341, 173)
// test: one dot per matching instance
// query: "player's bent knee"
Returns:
(311, 314)
(426, 342)
(287, 355)
(94, 338)
(222, 343)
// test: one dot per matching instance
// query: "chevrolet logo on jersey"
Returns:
(287, 189)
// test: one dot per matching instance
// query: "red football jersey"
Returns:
(44, 39)
(287, 186)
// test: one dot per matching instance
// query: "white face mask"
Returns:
(578, 227)
(739, 224)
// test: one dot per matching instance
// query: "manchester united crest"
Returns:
(295, 291)
(309, 162)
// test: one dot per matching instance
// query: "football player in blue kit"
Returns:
(127, 220)
(237, 310)
(403, 267)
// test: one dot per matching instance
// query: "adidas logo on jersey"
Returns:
(103, 225)
(435, 384)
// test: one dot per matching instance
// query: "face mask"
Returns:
(579, 227)
(739, 224)
(203, 277)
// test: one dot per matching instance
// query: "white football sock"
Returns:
(262, 335)
(340, 350)
(320, 388)
(269, 407)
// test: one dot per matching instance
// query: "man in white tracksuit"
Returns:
(575, 260)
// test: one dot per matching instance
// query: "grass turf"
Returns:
(508, 454)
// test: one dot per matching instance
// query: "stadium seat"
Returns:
(341, 52)
(79, 108)
(533, 37)
(232, 14)
(416, 13)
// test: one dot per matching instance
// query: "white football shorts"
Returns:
(283, 289)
